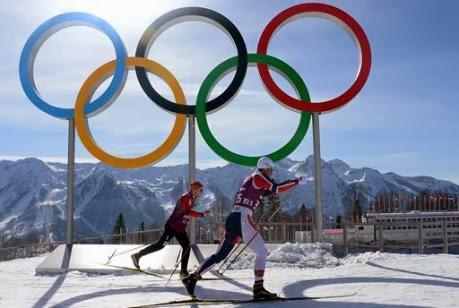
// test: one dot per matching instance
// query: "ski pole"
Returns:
(121, 253)
(184, 251)
(240, 252)
(228, 257)
(111, 256)
(239, 244)
(253, 237)
(177, 264)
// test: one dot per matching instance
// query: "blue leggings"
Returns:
(232, 234)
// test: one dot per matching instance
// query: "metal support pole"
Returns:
(445, 236)
(47, 224)
(346, 247)
(317, 175)
(381, 239)
(192, 170)
(313, 236)
(70, 180)
(284, 233)
(420, 238)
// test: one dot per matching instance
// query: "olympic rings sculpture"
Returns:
(85, 107)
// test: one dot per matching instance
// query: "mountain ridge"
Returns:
(148, 195)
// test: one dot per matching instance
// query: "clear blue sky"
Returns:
(404, 120)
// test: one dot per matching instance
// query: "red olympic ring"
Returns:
(337, 16)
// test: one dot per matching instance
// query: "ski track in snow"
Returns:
(380, 280)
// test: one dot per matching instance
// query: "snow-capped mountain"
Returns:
(28, 186)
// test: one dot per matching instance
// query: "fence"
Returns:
(32, 250)
(138, 237)
(276, 232)
(25, 251)
(404, 237)
(421, 237)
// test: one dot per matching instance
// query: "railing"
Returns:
(279, 232)
(205, 234)
(137, 237)
(32, 250)
(435, 234)
(406, 237)
(418, 237)
(25, 251)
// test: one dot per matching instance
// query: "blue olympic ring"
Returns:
(42, 33)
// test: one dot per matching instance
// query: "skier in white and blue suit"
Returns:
(239, 224)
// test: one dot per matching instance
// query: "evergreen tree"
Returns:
(301, 215)
(285, 217)
(259, 211)
(352, 200)
(141, 228)
(338, 222)
(119, 228)
(357, 212)
(273, 203)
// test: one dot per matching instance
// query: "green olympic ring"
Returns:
(229, 65)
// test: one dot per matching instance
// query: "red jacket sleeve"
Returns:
(185, 203)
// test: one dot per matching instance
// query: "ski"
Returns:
(135, 270)
(223, 278)
(208, 301)
(162, 277)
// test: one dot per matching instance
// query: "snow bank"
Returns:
(363, 258)
(315, 255)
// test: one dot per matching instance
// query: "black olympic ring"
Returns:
(166, 20)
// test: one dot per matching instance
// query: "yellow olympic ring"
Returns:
(87, 90)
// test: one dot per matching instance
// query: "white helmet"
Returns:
(265, 162)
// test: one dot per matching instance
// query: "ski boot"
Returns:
(259, 292)
(135, 260)
(190, 283)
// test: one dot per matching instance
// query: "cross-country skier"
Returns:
(239, 224)
(176, 227)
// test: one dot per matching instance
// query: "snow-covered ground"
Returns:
(380, 280)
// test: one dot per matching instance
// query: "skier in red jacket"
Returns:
(176, 227)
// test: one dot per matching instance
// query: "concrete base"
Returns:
(91, 258)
